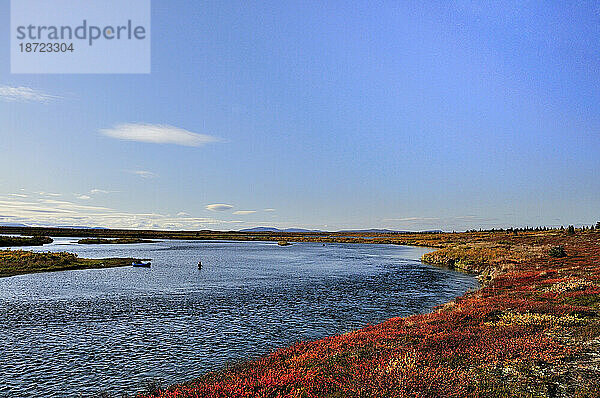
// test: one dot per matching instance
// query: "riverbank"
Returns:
(18, 262)
(533, 329)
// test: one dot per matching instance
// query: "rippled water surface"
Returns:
(75, 333)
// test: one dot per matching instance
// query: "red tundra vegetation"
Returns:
(532, 330)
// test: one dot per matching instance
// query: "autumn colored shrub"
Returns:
(521, 335)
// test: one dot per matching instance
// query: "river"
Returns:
(76, 333)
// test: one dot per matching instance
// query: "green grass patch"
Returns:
(17, 262)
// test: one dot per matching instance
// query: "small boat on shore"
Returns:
(141, 264)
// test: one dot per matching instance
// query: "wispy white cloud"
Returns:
(219, 207)
(83, 197)
(25, 94)
(244, 212)
(473, 218)
(142, 173)
(446, 223)
(48, 212)
(96, 191)
(412, 219)
(269, 209)
(157, 134)
(51, 212)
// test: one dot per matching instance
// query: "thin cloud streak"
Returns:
(25, 94)
(157, 134)
(446, 223)
(219, 207)
(244, 212)
(142, 173)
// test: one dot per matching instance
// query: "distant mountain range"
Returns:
(4, 224)
(256, 229)
(7, 224)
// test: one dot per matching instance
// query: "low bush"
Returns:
(557, 251)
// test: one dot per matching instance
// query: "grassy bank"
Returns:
(117, 241)
(324, 237)
(532, 330)
(15, 241)
(17, 262)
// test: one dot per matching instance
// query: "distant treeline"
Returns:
(569, 229)
(194, 235)
(13, 241)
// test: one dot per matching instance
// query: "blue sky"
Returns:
(398, 115)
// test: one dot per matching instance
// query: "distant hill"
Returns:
(6, 224)
(16, 225)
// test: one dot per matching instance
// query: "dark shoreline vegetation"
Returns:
(291, 237)
(18, 262)
(15, 241)
(116, 241)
